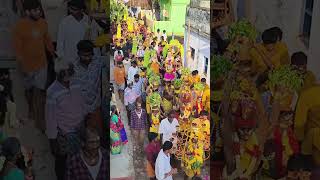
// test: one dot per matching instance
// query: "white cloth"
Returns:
(131, 72)
(55, 11)
(126, 64)
(139, 113)
(70, 32)
(94, 170)
(163, 166)
(164, 37)
(166, 128)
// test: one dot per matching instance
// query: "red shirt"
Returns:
(152, 150)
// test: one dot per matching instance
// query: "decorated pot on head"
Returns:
(155, 102)
(198, 89)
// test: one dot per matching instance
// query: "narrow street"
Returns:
(121, 165)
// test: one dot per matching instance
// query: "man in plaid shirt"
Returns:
(91, 162)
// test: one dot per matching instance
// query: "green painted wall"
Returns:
(177, 14)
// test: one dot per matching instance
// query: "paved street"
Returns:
(121, 166)
(130, 164)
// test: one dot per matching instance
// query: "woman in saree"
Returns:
(115, 129)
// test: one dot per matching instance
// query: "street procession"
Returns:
(265, 103)
(166, 105)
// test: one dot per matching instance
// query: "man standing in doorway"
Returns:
(31, 40)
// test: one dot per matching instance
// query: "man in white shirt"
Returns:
(164, 35)
(158, 34)
(168, 127)
(127, 64)
(133, 70)
(74, 28)
(55, 11)
(163, 169)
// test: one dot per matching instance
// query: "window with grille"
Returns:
(206, 63)
(306, 21)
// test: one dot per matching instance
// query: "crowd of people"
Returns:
(265, 108)
(162, 100)
(61, 65)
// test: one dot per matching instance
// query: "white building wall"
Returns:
(202, 50)
(288, 16)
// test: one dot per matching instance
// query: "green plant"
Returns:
(198, 86)
(177, 83)
(220, 66)
(242, 28)
(155, 99)
(154, 79)
(185, 72)
(285, 76)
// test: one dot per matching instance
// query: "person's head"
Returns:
(120, 64)
(152, 137)
(162, 38)
(90, 140)
(32, 9)
(111, 88)
(139, 104)
(136, 77)
(113, 109)
(195, 72)
(164, 31)
(204, 81)
(64, 70)
(76, 7)
(278, 32)
(299, 167)
(269, 39)
(158, 30)
(11, 149)
(171, 115)
(85, 51)
(130, 84)
(299, 61)
(245, 128)
(167, 147)
(134, 64)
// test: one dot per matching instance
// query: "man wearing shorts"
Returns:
(120, 78)
(31, 40)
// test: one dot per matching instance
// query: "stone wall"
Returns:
(199, 16)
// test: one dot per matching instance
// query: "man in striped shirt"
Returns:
(88, 69)
(65, 111)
